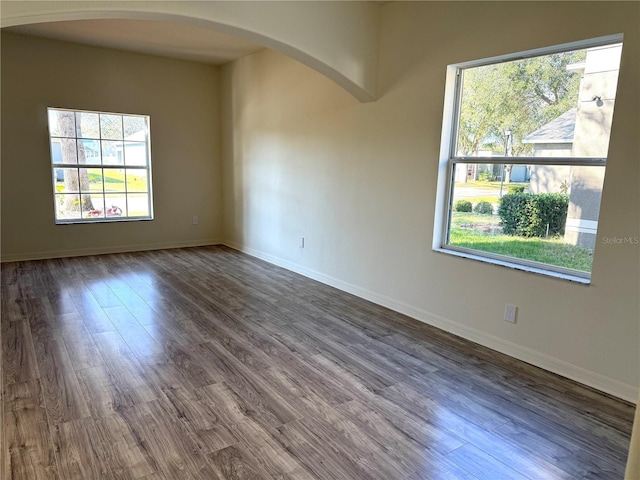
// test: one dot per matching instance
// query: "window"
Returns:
(523, 157)
(101, 166)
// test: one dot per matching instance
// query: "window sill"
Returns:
(103, 220)
(515, 266)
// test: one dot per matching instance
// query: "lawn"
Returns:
(483, 191)
(488, 185)
(491, 199)
(483, 232)
(114, 181)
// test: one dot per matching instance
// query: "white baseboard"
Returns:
(595, 380)
(80, 252)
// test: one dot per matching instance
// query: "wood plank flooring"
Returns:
(205, 363)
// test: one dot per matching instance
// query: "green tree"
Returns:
(521, 95)
(72, 153)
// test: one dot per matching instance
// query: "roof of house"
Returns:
(558, 130)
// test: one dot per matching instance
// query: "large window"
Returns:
(101, 166)
(523, 157)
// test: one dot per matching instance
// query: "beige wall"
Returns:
(339, 39)
(301, 157)
(182, 101)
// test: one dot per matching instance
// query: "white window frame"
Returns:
(147, 168)
(448, 160)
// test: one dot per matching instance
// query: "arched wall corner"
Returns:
(337, 39)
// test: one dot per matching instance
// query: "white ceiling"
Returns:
(167, 39)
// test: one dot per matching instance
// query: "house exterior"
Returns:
(555, 139)
(580, 132)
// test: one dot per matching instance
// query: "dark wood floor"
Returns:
(207, 363)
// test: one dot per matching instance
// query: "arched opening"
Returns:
(353, 74)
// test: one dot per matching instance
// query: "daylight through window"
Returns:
(526, 148)
(101, 166)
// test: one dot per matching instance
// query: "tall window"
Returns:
(525, 141)
(101, 166)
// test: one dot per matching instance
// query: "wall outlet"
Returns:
(301, 242)
(195, 220)
(510, 312)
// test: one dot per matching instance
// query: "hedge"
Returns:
(528, 214)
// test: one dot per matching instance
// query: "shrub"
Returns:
(527, 215)
(484, 177)
(513, 213)
(463, 206)
(483, 208)
(516, 188)
(548, 209)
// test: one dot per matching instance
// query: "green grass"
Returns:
(116, 179)
(478, 184)
(496, 185)
(460, 219)
(474, 200)
(483, 232)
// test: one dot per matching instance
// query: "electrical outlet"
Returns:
(510, 312)
(195, 220)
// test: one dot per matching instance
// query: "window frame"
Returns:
(102, 167)
(449, 159)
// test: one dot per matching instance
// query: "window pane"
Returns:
(88, 125)
(90, 180)
(56, 150)
(558, 105)
(137, 180)
(116, 205)
(61, 123)
(135, 128)
(67, 207)
(65, 180)
(64, 150)
(89, 152)
(542, 213)
(114, 180)
(111, 126)
(111, 153)
(138, 204)
(135, 154)
(93, 205)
